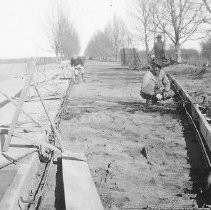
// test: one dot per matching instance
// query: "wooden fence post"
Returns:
(3, 133)
(123, 52)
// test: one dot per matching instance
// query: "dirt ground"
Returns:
(139, 157)
(196, 81)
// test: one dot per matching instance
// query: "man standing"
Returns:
(156, 85)
(159, 49)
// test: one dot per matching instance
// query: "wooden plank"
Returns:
(20, 104)
(44, 98)
(79, 189)
(204, 126)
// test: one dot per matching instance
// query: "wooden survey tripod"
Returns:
(6, 139)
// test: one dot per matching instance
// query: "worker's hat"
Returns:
(159, 36)
(156, 62)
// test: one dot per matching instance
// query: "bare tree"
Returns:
(207, 18)
(117, 33)
(99, 47)
(70, 42)
(106, 45)
(179, 20)
(62, 35)
(141, 15)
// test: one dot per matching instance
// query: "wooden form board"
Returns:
(204, 126)
(79, 189)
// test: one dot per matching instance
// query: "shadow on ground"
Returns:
(133, 107)
(198, 172)
(59, 191)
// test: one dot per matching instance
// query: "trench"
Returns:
(109, 161)
(199, 172)
(139, 157)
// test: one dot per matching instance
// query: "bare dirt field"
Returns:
(139, 157)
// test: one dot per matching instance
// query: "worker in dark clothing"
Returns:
(159, 49)
(78, 64)
(75, 61)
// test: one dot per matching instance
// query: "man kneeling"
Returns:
(155, 85)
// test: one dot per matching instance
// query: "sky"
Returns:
(24, 22)
(92, 15)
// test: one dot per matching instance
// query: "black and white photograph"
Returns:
(105, 104)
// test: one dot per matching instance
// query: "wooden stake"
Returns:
(3, 133)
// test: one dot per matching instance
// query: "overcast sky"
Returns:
(23, 23)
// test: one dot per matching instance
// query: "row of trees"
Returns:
(106, 44)
(178, 20)
(99, 47)
(63, 38)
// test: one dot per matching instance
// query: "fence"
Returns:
(133, 58)
(39, 60)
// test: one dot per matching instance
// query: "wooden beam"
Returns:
(24, 91)
(44, 98)
(40, 143)
(204, 126)
(79, 188)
